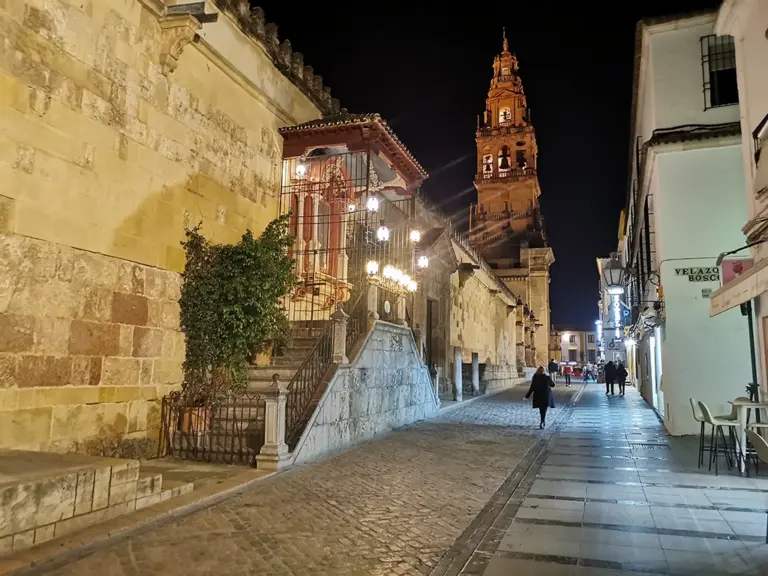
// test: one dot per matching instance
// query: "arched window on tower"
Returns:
(505, 115)
(488, 164)
(522, 163)
(504, 159)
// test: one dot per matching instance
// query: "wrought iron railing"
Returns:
(357, 323)
(305, 384)
(229, 429)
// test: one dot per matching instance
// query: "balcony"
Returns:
(504, 129)
(505, 176)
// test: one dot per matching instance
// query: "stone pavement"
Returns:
(395, 505)
(612, 494)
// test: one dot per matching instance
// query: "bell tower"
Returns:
(506, 225)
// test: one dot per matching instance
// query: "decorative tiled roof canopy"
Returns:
(357, 128)
(290, 63)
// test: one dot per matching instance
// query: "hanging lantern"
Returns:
(301, 170)
(382, 234)
(415, 236)
(422, 262)
(372, 204)
(372, 268)
(614, 276)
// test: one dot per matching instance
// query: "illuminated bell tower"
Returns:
(506, 225)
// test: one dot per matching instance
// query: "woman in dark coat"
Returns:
(541, 388)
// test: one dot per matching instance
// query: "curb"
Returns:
(68, 548)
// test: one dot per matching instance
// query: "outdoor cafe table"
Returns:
(742, 406)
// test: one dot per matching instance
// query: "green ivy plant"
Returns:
(231, 307)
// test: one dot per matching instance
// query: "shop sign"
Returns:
(699, 274)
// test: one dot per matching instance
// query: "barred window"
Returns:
(718, 67)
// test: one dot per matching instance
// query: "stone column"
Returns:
(300, 233)
(436, 383)
(314, 258)
(400, 315)
(475, 374)
(458, 390)
(534, 360)
(339, 319)
(417, 336)
(274, 454)
(520, 344)
(373, 301)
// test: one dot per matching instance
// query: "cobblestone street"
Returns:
(392, 506)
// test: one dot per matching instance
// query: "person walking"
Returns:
(610, 376)
(567, 371)
(621, 377)
(553, 369)
(541, 389)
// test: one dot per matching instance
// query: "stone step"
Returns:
(45, 495)
(149, 483)
(171, 489)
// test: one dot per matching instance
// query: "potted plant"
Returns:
(230, 310)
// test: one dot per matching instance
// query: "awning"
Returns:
(742, 289)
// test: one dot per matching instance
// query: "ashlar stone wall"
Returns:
(386, 386)
(480, 320)
(114, 135)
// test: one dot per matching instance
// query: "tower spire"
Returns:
(504, 36)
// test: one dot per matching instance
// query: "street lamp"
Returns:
(614, 276)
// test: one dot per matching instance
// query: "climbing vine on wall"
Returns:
(231, 306)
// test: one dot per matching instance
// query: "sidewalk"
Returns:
(612, 494)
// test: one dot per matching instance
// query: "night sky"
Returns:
(426, 68)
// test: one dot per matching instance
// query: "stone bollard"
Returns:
(339, 319)
(274, 454)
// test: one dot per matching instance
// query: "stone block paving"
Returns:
(391, 506)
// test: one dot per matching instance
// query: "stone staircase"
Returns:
(45, 495)
(287, 361)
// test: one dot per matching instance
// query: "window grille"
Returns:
(718, 67)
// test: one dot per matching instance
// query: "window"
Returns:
(505, 115)
(572, 339)
(488, 164)
(521, 161)
(504, 158)
(591, 338)
(592, 354)
(718, 66)
(572, 355)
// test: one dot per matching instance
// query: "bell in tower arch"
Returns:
(504, 158)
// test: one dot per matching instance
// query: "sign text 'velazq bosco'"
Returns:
(699, 274)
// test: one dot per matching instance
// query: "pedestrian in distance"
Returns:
(541, 389)
(553, 369)
(621, 377)
(568, 371)
(610, 377)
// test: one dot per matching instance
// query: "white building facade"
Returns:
(746, 21)
(577, 346)
(684, 204)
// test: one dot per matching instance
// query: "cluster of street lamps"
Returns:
(389, 272)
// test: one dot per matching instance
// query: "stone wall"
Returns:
(386, 386)
(88, 344)
(116, 132)
(480, 320)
